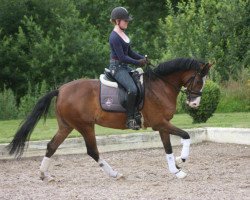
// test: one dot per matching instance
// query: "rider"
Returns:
(122, 55)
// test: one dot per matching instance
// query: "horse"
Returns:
(78, 107)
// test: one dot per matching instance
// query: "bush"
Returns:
(8, 108)
(209, 102)
(28, 101)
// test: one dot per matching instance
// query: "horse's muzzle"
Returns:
(194, 102)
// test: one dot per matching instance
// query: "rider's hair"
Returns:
(113, 21)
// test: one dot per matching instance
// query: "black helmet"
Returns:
(120, 13)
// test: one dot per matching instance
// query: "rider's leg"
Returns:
(122, 76)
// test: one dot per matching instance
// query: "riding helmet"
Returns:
(120, 13)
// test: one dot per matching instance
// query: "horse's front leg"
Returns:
(185, 140)
(165, 137)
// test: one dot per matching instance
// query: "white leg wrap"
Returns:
(171, 163)
(45, 164)
(106, 167)
(185, 148)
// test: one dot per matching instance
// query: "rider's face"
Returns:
(123, 23)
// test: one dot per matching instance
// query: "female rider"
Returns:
(121, 55)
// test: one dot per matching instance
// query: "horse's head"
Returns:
(186, 72)
(194, 81)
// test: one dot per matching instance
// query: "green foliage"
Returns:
(179, 107)
(28, 101)
(13, 59)
(144, 30)
(209, 102)
(52, 43)
(235, 95)
(11, 13)
(213, 30)
(89, 9)
(8, 109)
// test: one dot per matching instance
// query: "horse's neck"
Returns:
(165, 90)
(174, 80)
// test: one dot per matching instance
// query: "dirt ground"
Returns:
(215, 171)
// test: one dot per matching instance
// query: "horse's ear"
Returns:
(209, 65)
(205, 69)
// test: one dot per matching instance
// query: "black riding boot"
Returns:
(131, 122)
(138, 117)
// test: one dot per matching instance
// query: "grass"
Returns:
(235, 96)
(184, 121)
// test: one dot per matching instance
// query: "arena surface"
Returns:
(215, 171)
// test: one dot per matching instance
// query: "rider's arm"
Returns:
(134, 55)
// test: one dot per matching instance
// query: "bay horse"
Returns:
(78, 107)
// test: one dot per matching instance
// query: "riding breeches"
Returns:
(121, 74)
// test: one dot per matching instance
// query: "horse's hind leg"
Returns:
(52, 146)
(87, 131)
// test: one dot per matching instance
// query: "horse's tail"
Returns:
(26, 128)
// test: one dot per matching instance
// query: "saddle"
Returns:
(113, 96)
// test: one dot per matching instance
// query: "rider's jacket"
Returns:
(121, 50)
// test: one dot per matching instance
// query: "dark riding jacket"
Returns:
(121, 50)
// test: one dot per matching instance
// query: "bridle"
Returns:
(189, 88)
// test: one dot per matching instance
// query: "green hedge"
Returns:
(209, 102)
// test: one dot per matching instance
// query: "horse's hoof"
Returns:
(178, 160)
(181, 174)
(119, 176)
(46, 177)
(50, 179)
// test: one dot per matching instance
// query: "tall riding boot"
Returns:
(138, 117)
(131, 122)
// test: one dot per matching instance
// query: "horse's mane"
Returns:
(172, 66)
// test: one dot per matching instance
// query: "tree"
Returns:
(209, 30)
(57, 49)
